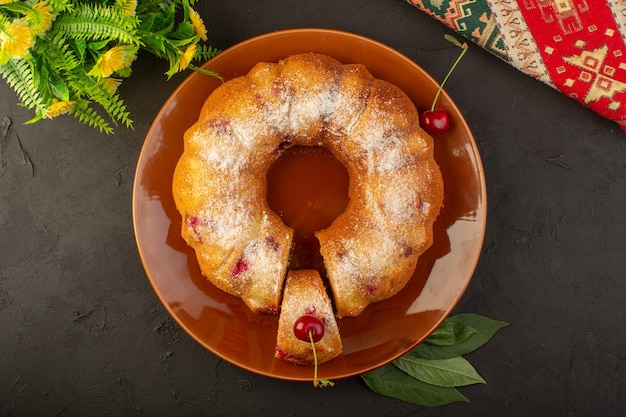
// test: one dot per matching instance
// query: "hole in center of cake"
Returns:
(308, 188)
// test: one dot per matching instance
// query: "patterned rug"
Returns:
(575, 46)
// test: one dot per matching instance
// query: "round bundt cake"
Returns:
(395, 189)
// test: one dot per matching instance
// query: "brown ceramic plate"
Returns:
(385, 330)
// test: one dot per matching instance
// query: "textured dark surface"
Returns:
(82, 332)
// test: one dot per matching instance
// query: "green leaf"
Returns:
(451, 372)
(83, 112)
(392, 382)
(453, 40)
(80, 45)
(184, 31)
(33, 120)
(155, 45)
(124, 72)
(59, 89)
(430, 373)
(205, 52)
(485, 329)
(40, 73)
(450, 332)
(17, 7)
(180, 43)
(18, 74)
(205, 72)
(147, 23)
(162, 21)
(95, 22)
(98, 45)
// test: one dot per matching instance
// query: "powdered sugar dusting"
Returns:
(262, 252)
(363, 259)
(372, 134)
(249, 131)
(231, 230)
(275, 102)
(310, 109)
(381, 143)
(400, 200)
(222, 157)
(392, 158)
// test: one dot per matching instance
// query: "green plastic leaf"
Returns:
(17, 7)
(124, 72)
(147, 23)
(80, 45)
(205, 52)
(33, 120)
(59, 89)
(451, 372)
(98, 45)
(180, 43)
(184, 31)
(92, 21)
(392, 382)
(40, 73)
(155, 44)
(161, 21)
(485, 329)
(205, 72)
(18, 74)
(450, 332)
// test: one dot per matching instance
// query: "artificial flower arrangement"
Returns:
(70, 56)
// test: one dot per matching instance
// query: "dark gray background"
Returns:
(82, 332)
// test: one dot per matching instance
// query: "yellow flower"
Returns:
(16, 38)
(57, 108)
(128, 6)
(198, 24)
(41, 19)
(6, 1)
(186, 57)
(110, 84)
(115, 59)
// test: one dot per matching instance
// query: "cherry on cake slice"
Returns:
(306, 312)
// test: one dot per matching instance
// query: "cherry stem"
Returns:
(314, 358)
(317, 382)
(464, 48)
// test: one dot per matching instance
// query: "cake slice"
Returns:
(305, 306)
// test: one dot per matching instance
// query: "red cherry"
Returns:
(435, 121)
(308, 324)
